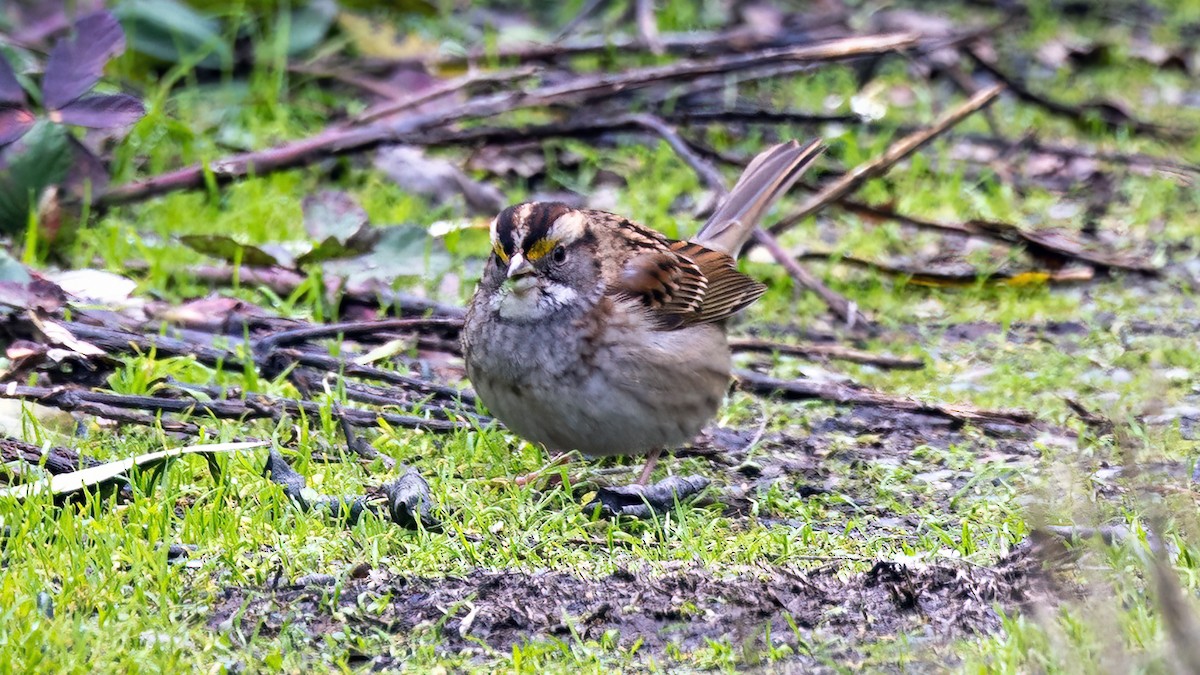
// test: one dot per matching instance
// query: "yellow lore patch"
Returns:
(540, 248)
(499, 250)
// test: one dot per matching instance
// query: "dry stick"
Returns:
(310, 380)
(824, 352)
(741, 39)
(1112, 118)
(969, 277)
(851, 180)
(760, 116)
(333, 365)
(117, 340)
(845, 309)
(352, 329)
(1049, 244)
(1030, 143)
(440, 90)
(855, 395)
(367, 84)
(55, 460)
(707, 172)
(115, 406)
(750, 115)
(114, 340)
(581, 90)
(576, 21)
(647, 25)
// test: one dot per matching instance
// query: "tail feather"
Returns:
(767, 178)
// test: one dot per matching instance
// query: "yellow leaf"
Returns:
(380, 39)
(1028, 279)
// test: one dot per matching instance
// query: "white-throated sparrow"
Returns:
(590, 332)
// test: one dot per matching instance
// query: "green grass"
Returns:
(90, 588)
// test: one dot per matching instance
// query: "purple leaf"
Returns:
(86, 168)
(75, 63)
(10, 90)
(14, 122)
(102, 111)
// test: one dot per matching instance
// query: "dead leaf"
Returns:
(437, 179)
(35, 294)
(374, 38)
(96, 286)
(59, 335)
(231, 250)
(339, 226)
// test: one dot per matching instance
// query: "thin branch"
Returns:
(647, 25)
(351, 329)
(579, 91)
(969, 277)
(856, 395)
(1045, 244)
(846, 310)
(851, 180)
(285, 282)
(708, 173)
(55, 460)
(825, 352)
(441, 90)
(576, 21)
(1112, 117)
(254, 406)
(744, 114)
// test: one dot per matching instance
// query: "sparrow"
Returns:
(591, 332)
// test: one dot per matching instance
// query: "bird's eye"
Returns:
(559, 254)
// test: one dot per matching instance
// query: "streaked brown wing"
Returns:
(729, 291)
(687, 284)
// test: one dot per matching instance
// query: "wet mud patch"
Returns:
(685, 608)
(841, 445)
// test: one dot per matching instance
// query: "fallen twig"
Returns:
(847, 310)
(441, 90)
(825, 352)
(856, 395)
(254, 406)
(581, 90)
(351, 329)
(852, 179)
(1108, 114)
(1048, 244)
(970, 277)
(55, 460)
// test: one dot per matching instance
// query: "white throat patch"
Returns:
(535, 303)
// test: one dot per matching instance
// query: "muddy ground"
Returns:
(932, 603)
(686, 607)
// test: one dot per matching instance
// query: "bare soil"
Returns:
(686, 607)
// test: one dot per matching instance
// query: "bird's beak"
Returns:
(521, 274)
(519, 267)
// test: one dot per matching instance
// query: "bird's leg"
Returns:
(651, 462)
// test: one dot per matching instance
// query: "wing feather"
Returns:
(687, 284)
